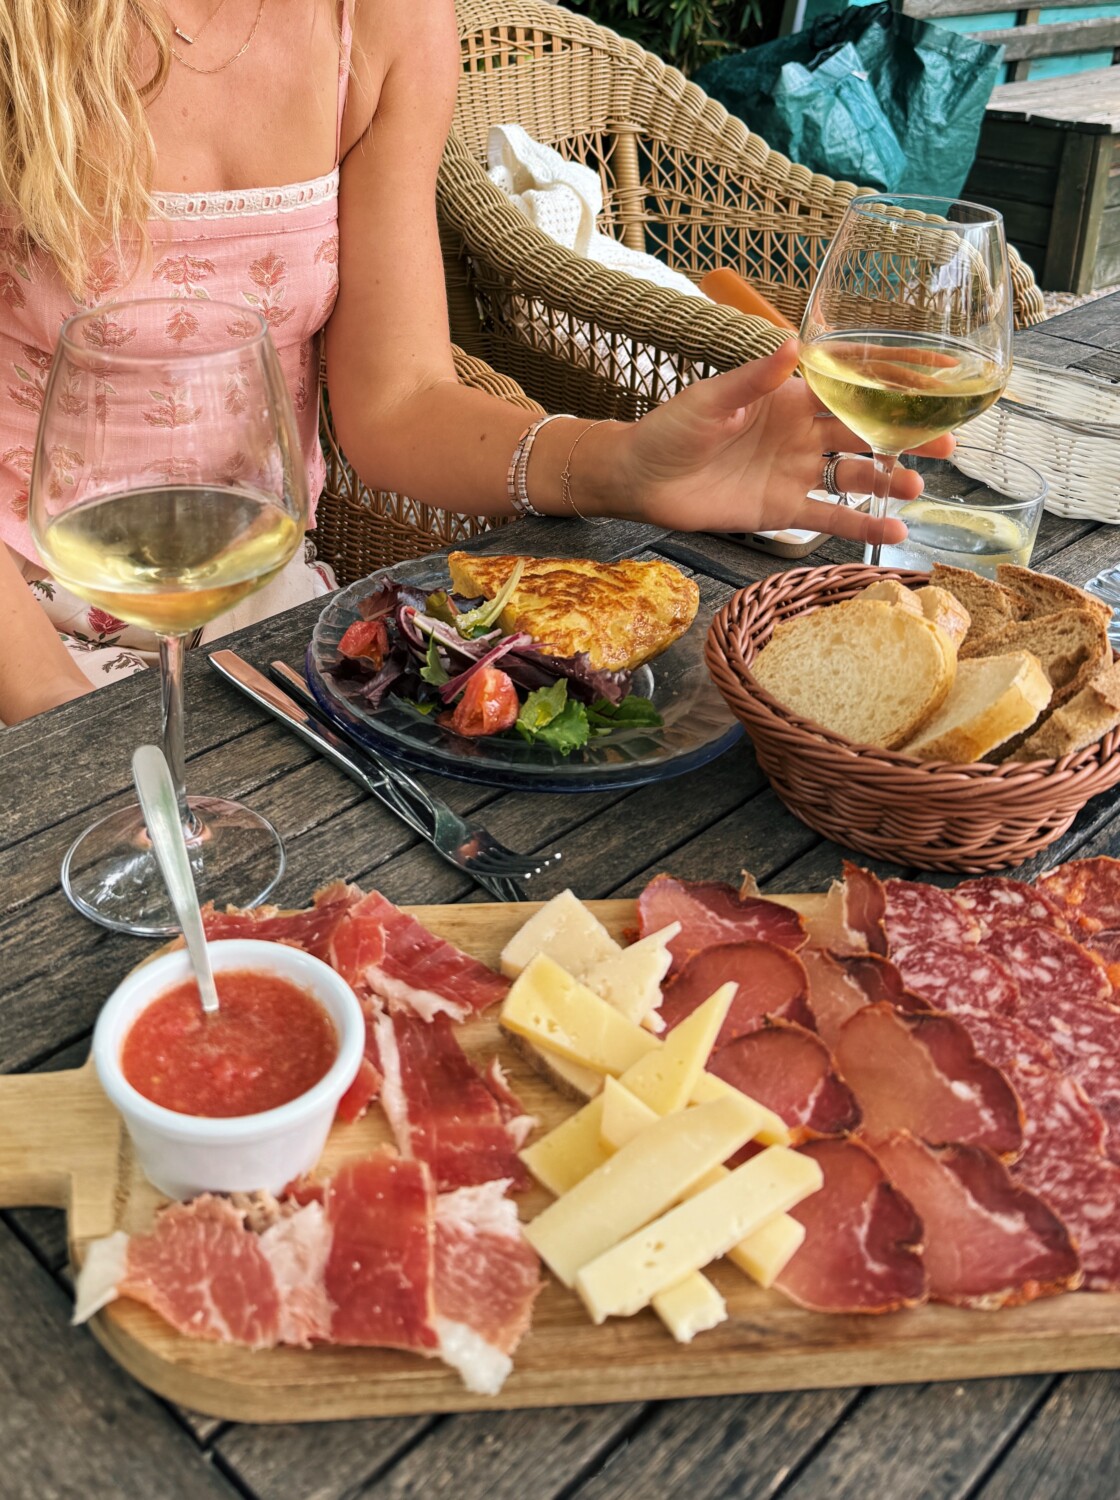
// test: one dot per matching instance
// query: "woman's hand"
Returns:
(738, 452)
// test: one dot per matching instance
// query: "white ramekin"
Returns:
(187, 1154)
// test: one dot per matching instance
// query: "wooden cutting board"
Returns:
(62, 1145)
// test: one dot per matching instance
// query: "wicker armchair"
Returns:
(681, 178)
(358, 530)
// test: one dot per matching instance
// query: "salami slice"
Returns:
(1106, 946)
(867, 906)
(1088, 891)
(1083, 1188)
(771, 982)
(791, 1071)
(919, 914)
(990, 1242)
(998, 898)
(959, 978)
(861, 1252)
(711, 912)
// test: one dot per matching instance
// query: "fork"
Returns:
(474, 847)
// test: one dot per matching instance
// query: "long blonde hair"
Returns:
(76, 153)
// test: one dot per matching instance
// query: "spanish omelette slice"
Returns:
(621, 614)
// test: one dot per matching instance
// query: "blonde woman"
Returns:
(283, 153)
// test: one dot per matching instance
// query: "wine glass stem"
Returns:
(171, 652)
(880, 493)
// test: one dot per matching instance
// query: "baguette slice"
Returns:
(1072, 646)
(989, 604)
(890, 591)
(863, 669)
(1086, 718)
(943, 609)
(993, 698)
(1046, 595)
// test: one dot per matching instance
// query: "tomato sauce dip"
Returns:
(269, 1042)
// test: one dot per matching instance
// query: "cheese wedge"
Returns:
(572, 1151)
(691, 1307)
(623, 1279)
(630, 980)
(665, 1079)
(566, 931)
(639, 1182)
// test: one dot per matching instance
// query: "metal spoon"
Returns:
(160, 806)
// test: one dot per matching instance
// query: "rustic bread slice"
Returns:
(1072, 646)
(1081, 722)
(863, 669)
(993, 698)
(989, 604)
(1045, 595)
(890, 591)
(943, 609)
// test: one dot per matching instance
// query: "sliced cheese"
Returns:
(691, 1307)
(630, 980)
(772, 1132)
(565, 930)
(623, 1279)
(665, 1079)
(565, 1075)
(766, 1253)
(637, 1183)
(554, 1011)
(571, 1152)
(622, 1115)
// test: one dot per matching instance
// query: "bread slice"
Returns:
(989, 604)
(943, 609)
(890, 591)
(863, 669)
(1085, 719)
(1072, 646)
(993, 698)
(1045, 595)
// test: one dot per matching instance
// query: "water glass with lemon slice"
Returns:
(978, 508)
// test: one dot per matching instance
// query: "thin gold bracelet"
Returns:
(566, 477)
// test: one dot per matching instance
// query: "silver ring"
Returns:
(828, 474)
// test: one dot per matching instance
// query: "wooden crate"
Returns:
(1049, 160)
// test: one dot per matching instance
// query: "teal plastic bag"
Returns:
(828, 118)
(931, 83)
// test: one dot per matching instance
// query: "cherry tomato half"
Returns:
(366, 638)
(489, 704)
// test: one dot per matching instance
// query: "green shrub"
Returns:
(687, 33)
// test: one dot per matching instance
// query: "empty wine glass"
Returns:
(907, 333)
(168, 484)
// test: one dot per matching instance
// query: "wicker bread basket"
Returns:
(928, 815)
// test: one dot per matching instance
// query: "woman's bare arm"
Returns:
(36, 670)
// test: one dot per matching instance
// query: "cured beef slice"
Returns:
(918, 914)
(441, 1111)
(771, 982)
(921, 1073)
(789, 1070)
(989, 1242)
(867, 906)
(712, 912)
(1088, 892)
(833, 995)
(998, 898)
(959, 978)
(879, 979)
(861, 1252)
(310, 928)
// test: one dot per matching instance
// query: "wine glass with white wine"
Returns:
(907, 332)
(168, 484)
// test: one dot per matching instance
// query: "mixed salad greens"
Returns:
(440, 654)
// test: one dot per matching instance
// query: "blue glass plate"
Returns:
(697, 723)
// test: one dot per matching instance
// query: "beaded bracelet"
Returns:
(566, 477)
(516, 476)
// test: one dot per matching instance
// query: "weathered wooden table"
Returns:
(72, 1424)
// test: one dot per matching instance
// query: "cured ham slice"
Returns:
(711, 912)
(921, 1073)
(1087, 891)
(771, 982)
(959, 978)
(989, 1241)
(441, 1111)
(827, 922)
(790, 1070)
(918, 914)
(879, 979)
(383, 951)
(998, 898)
(867, 906)
(833, 995)
(487, 1278)
(361, 1093)
(1065, 997)
(310, 928)
(861, 1252)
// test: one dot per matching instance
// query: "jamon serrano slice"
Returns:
(383, 951)
(998, 898)
(771, 982)
(1088, 892)
(920, 1072)
(989, 1242)
(867, 906)
(310, 928)
(441, 1111)
(959, 978)
(711, 912)
(789, 1070)
(861, 1252)
(834, 995)
(487, 1278)
(361, 1093)
(918, 914)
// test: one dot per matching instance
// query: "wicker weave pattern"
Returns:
(928, 815)
(681, 178)
(359, 530)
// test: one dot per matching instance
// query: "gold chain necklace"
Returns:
(190, 40)
(241, 51)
